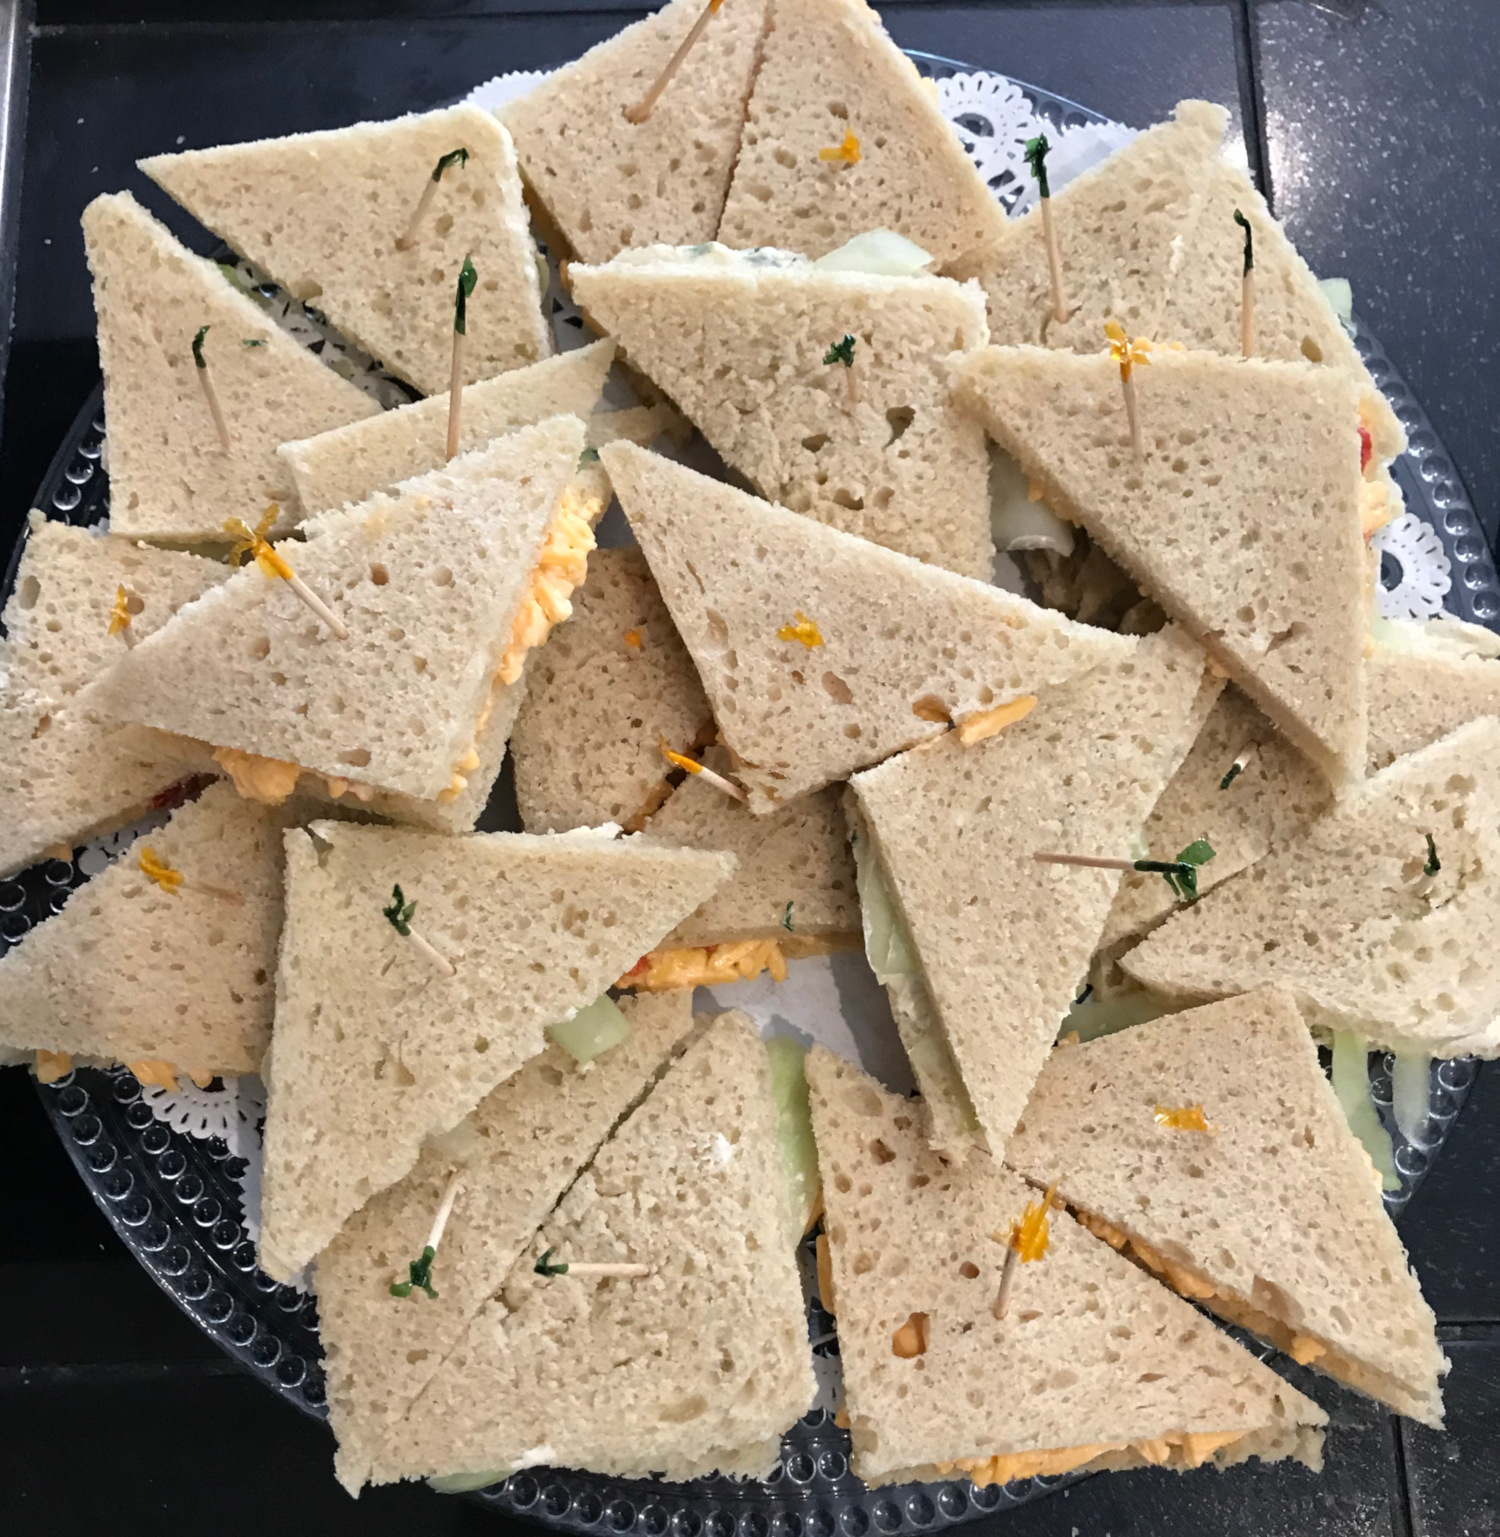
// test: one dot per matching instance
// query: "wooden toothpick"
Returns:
(1127, 354)
(692, 766)
(1247, 289)
(467, 278)
(419, 1271)
(1238, 767)
(454, 157)
(172, 881)
(647, 104)
(1036, 157)
(1027, 1241)
(253, 542)
(545, 1266)
(1181, 874)
(206, 384)
(399, 914)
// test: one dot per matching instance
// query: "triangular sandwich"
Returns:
(384, 1037)
(793, 892)
(1242, 521)
(1002, 942)
(605, 182)
(429, 582)
(1122, 230)
(611, 686)
(66, 775)
(351, 463)
(702, 1364)
(826, 390)
(1092, 1365)
(1295, 1246)
(327, 216)
(820, 652)
(170, 476)
(1293, 319)
(171, 970)
(1378, 918)
(844, 136)
(1269, 799)
(1426, 678)
(513, 1157)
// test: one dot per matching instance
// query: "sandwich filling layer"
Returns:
(1177, 1449)
(713, 965)
(1304, 1349)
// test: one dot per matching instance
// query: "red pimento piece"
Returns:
(1366, 449)
(640, 968)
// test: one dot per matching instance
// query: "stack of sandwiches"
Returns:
(551, 1217)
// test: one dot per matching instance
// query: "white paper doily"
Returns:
(1411, 552)
(230, 1109)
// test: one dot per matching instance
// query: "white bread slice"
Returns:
(427, 582)
(702, 1362)
(1417, 695)
(170, 478)
(1004, 942)
(1243, 522)
(518, 1150)
(738, 340)
(795, 876)
(604, 182)
(1122, 229)
(830, 68)
(57, 617)
(65, 775)
(1091, 1354)
(1427, 679)
(322, 212)
(1293, 319)
(128, 971)
(1270, 801)
(375, 1049)
(1273, 1212)
(353, 462)
(893, 636)
(1346, 919)
(607, 687)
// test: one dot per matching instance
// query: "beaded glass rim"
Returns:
(175, 1200)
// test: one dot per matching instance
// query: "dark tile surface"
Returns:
(1385, 164)
(1453, 1474)
(1451, 1228)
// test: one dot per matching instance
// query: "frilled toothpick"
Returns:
(1181, 874)
(467, 278)
(253, 542)
(546, 1266)
(173, 881)
(206, 384)
(1127, 354)
(399, 915)
(647, 104)
(120, 618)
(692, 766)
(1247, 289)
(1027, 1242)
(419, 1271)
(454, 157)
(1036, 152)
(841, 354)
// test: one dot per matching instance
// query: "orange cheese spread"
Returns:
(1195, 1448)
(560, 568)
(52, 1065)
(983, 724)
(270, 780)
(712, 965)
(1302, 1348)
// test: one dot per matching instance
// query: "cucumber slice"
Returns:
(463, 1483)
(799, 1153)
(879, 252)
(1351, 1082)
(887, 948)
(592, 1030)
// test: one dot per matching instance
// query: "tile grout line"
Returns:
(1403, 1517)
(1252, 98)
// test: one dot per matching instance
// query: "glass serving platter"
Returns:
(177, 1181)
